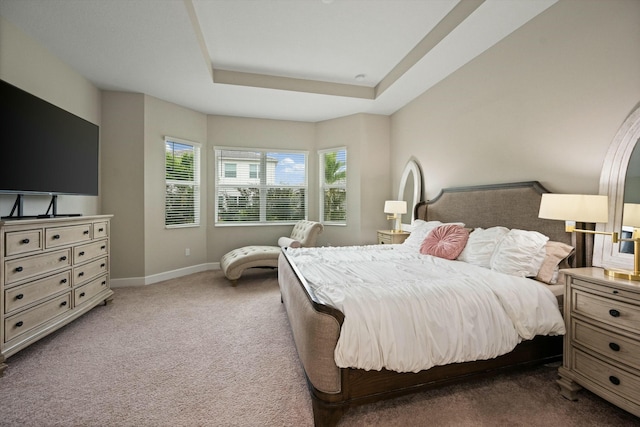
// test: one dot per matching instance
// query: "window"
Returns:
(230, 170)
(268, 187)
(333, 182)
(182, 179)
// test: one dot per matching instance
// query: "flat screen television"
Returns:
(45, 149)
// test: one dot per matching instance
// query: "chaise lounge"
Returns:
(233, 264)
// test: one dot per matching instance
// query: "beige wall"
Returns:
(123, 128)
(134, 129)
(543, 104)
(165, 248)
(24, 63)
(366, 137)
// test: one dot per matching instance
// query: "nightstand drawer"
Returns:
(388, 237)
(611, 378)
(609, 311)
(607, 343)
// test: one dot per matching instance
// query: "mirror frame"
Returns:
(612, 182)
(412, 167)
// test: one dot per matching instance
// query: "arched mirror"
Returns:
(620, 180)
(631, 195)
(410, 190)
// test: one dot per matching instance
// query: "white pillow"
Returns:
(481, 245)
(519, 253)
(419, 232)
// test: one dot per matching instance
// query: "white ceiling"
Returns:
(278, 59)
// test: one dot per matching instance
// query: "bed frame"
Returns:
(316, 325)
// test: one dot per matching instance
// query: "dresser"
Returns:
(389, 237)
(602, 344)
(51, 272)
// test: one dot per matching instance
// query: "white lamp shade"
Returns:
(395, 207)
(631, 215)
(575, 207)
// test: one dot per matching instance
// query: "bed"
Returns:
(316, 324)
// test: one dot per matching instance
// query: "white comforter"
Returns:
(407, 312)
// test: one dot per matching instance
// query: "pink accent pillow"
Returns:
(445, 241)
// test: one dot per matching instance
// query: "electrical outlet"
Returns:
(187, 252)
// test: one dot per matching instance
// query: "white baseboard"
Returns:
(155, 278)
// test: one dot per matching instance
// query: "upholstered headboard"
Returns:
(513, 205)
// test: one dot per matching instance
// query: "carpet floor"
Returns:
(195, 351)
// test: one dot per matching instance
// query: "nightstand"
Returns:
(388, 237)
(602, 343)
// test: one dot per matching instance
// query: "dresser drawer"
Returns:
(26, 320)
(19, 242)
(23, 295)
(89, 251)
(60, 236)
(607, 343)
(612, 312)
(87, 291)
(90, 270)
(618, 381)
(100, 230)
(35, 265)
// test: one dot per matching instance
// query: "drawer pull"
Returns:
(615, 292)
(613, 346)
(102, 265)
(56, 236)
(614, 380)
(25, 241)
(614, 313)
(20, 323)
(63, 281)
(82, 294)
(19, 269)
(19, 296)
(81, 274)
(103, 247)
(63, 258)
(100, 230)
(104, 282)
(85, 232)
(63, 303)
(81, 253)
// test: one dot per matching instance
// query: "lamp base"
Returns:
(621, 274)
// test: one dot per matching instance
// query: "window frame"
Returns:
(324, 186)
(196, 183)
(262, 185)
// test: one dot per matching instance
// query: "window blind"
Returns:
(182, 181)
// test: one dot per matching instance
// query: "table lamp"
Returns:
(587, 208)
(396, 208)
